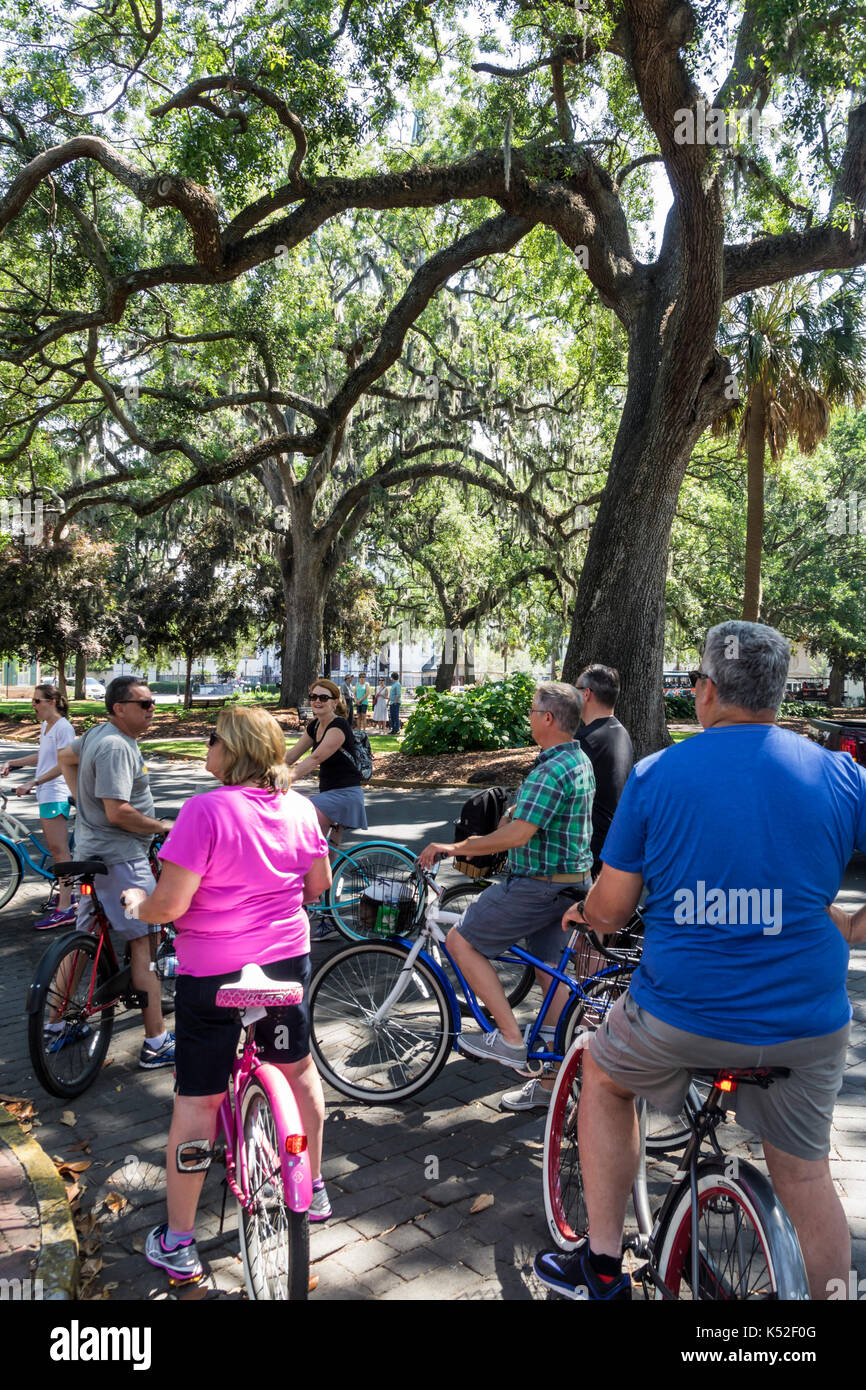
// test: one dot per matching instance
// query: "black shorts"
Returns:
(206, 1037)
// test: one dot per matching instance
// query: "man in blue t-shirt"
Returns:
(741, 837)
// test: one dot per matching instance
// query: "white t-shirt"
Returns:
(60, 735)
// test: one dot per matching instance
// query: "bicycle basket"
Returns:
(388, 905)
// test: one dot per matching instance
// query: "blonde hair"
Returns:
(255, 747)
(334, 693)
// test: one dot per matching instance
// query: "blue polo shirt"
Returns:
(742, 835)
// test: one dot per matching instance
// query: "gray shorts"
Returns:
(519, 908)
(137, 873)
(654, 1060)
(344, 806)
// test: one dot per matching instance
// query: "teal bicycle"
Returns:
(20, 849)
(359, 869)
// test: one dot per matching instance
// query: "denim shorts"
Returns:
(655, 1060)
(207, 1036)
(519, 908)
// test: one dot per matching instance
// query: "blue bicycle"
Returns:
(385, 1016)
(15, 857)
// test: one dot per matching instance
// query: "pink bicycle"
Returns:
(267, 1163)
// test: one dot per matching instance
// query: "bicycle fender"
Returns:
(448, 988)
(44, 971)
(297, 1174)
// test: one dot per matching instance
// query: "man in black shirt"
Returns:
(607, 745)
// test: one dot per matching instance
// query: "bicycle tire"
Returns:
(749, 1249)
(274, 1239)
(67, 1069)
(363, 864)
(11, 873)
(516, 977)
(564, 1203)
(409, 1048)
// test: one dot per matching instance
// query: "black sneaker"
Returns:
(573, 1277)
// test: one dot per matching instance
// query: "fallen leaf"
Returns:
(313, 1284)
(115, 1202)
(533, 1143)
(21, 1100)
(68, 1118)
(69, 1170)
(109, 1287)
(481, 1203)
(91, 1268)
(118, 1088)
(83, 1146)
(91, 1247)
(107, 1063)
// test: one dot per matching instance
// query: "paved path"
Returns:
(402, 1179)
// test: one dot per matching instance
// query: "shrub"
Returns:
(488, 716)
(802, 709)
(680, 707)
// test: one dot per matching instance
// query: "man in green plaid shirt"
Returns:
(547, 835)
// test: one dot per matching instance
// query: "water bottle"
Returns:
(166, 961)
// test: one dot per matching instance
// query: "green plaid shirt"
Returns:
(557, 797)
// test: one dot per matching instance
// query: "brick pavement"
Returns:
(402, 1179)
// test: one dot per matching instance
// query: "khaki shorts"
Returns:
(137, 873)
(654, 1060)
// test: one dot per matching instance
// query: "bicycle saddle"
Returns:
(255, 989)
(79, 869)
(744, 1076)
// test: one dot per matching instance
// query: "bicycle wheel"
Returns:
(358, 871)
(747, 1246)
(515, 976)
(68, 1060)
(564, 1204)
(11, 870)
(274, 1239)
(395, 1058)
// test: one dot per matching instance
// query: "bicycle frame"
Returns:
(432, 933)
(14, 833)
(297, 1176)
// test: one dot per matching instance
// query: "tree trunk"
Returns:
(619, 611)
(305, 585)
(469, 662)
(187, 685)
(837, 686)
(60, 659)
(80, 675)
(450, 657)
(755, 444)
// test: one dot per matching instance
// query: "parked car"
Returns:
(842, 736)
(93, 690)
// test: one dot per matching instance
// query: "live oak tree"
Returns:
(186, 119)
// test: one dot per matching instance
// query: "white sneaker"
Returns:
(532, 1096)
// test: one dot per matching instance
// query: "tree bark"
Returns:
(837, 686)
(305, 584)
(60, 659)
(755, 445)
(80, 675)
(187, 685)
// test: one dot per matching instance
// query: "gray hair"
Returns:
(562, 701)
(748, 662)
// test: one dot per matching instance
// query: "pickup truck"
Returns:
(842, 736)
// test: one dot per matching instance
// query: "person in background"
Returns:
(362, 698)
(380, 708)
(237, 868)
(52, 793)
(395, 696)
(607, 745)
(346, 689)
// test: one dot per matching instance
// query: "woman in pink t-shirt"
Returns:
(238, 866)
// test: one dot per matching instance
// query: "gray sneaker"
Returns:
(491, 1047)
(532, 1096)
(182, 1263)
(320, 1207)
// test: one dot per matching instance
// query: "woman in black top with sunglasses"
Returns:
(340, 799)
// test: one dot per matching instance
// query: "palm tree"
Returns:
(799, 358)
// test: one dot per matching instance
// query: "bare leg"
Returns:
(807, 1193)
(607, 1135)
(485, 982)
(147, 982)
(56, 832)
(307, 1087)
(194, 1117)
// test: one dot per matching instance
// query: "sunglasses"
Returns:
(321, 698)
(214, 738)
(695, 676)
(142, 704)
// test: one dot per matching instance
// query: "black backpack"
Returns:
(479, 816)
(360, 755)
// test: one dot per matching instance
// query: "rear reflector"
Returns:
(296, 1143)
(848, 745)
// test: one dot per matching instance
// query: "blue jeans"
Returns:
(394, 712)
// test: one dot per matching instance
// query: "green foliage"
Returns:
(802, 709)
(679, 707)
(492, 715)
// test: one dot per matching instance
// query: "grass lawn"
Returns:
(679, 734)
(197, 748)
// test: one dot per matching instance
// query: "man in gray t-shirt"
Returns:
(115, 823)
